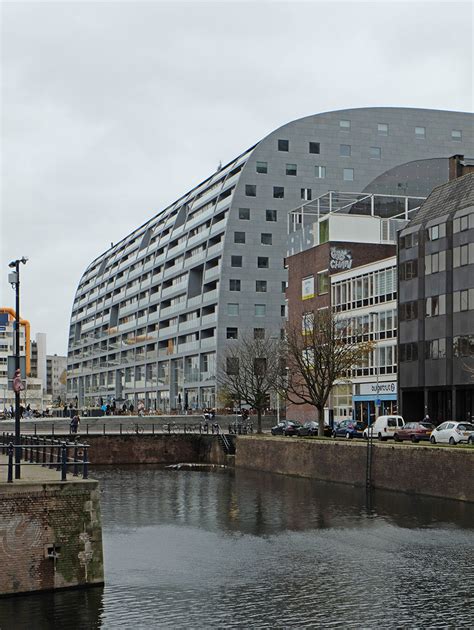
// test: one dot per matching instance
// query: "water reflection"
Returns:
(190, 549)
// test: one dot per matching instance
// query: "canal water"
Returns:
(186, 549)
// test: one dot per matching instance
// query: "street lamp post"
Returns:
(14, 279)
(374, 314)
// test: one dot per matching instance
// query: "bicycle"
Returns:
(135, 428)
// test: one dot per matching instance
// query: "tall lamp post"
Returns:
(375, 316)
(14, 279)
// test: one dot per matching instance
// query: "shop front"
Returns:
(366, 396)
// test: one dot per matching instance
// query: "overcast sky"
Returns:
(112, 110)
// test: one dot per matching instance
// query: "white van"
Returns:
(385, 427)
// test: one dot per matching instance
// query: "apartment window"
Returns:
(420, 133)
(232, 365)
(408, 352)
(345, 125)
(320, 172)
(345, 150)
(435, 306)
(463, 255)
(244, 214)
(233, 310)
(436, 231)
(291, 169)
(435, 263)
(259, 333)
(270, 215)
(463, 223)
(314, 147)
(324, 231)
(323, 282)
(239, 237)
(410, 240)
(283, 145)
(265, 238)
(250, 190)
(382, 129)
(261, 167)
(348, 174)
(408, 311)
(278, 192)
(409, 270)
(283, 286)
(232, 333)
(283, 310)
(262, 262)
(236, 261)
(456, 135)
(436, 349)
(261, 286)
(306, 194)
(375, 153)
(260, 310)
(234, 285)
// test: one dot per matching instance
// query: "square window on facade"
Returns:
(456, 135)
(420, 132)
(382, 129)
(261, 167)
(265, 238)
(261, 286)
(232, 365)
(320, 172)
(306, 194)
(244, 214)
(260, 310)
(314, 147)
(232, 333)
(233, 310)
(236, 261)
(262, 262)
(291, 169)
(345, 150)
(345, 125)
(278, 192)
(323, 282)
(375, 153)
(283, 145)
(239, 237)
(234, 285)
(250, 190)
(259, 333)
(348, 174)
(270, 215)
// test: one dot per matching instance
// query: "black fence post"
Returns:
(85, 462)
(10, 463)
(35, 428)
(75, 470)
(153, 429)
(120, 428)
(103, 429)
(63, 461)
(87, 429)
(44, 451)
(52, 429)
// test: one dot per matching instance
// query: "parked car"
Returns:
(453, 433)
(414, 431)
(348, 429)
(286, 427)
(311, 428)
(384, 427)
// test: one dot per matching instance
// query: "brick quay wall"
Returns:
(426, 470)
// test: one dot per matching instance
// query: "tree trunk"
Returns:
(320, 421)
(259, 421)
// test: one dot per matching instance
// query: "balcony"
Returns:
(208, 342)
(190, 346)
(215, 249)
(189, 325)
(210, 295)
(212, 274)
(198, 238)
(206, 320)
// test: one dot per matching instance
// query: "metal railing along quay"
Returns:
(35, 450)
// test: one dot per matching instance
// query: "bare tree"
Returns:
(250, 372)
(320, 352)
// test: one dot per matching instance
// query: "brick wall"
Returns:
(38, 518)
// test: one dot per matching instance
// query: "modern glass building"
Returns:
(153, 313)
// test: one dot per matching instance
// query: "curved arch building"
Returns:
(152, 314)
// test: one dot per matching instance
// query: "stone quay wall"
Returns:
(425, 470)
(50, 536)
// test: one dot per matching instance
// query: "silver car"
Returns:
(453, 433)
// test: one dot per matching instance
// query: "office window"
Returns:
(320, 172)
(236, 261)
(436, 231)
(283, 145)
(278, 192)
(382, 129)
(232, 310)
(463, 255)
(435, 306)
(435, 349)
(244, 214)
(345, 125)
(348, 174)
(261, 286)
(463, 300)
(345, 150)
(435, 263)
(239, 237)
(291, 169)
(420, 132)
(262, 262)
(375, 153)
(259, 333)
(265, 238)
(260, 310)
(323, 231)
(409, 270)
(250, 190)
(232, 333)
(234, 285)
(463, 223)
(270, 215)
(323, 282)
(306, 194)
(456, 135)
(314, 147)
(261, 167)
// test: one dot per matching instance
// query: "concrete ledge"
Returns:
(424, 470)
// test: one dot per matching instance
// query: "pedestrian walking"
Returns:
(75, 423)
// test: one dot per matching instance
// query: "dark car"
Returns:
(312, 427)
(348, 429)
(414, 431)
(286, 427)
